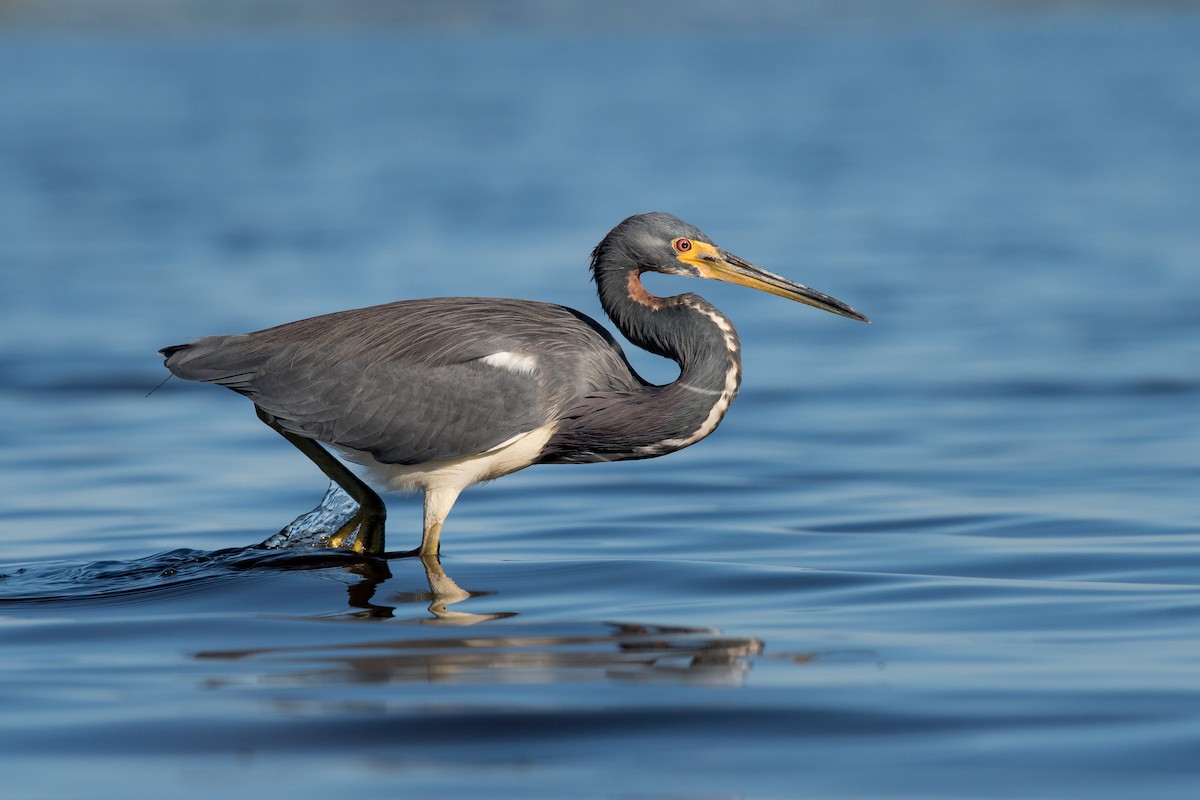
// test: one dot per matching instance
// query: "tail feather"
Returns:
(170, 350)
(231, 361)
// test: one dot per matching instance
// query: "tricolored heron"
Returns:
(442, 393)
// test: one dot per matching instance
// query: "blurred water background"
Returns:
(950, 554)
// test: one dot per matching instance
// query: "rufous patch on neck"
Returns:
(638, 293)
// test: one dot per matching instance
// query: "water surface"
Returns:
(949, 554)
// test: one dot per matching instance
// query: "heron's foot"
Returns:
(429, 551)
(414, 553)
(338, 522)
(362, 533)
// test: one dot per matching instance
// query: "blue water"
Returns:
(950, 554)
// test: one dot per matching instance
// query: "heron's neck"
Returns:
(686, 329)
(692, 332)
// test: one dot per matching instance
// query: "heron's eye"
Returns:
(683, 245)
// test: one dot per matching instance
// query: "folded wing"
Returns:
(413, 381)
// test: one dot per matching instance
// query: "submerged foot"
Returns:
(338, 522)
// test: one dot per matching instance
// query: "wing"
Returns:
(417, 380)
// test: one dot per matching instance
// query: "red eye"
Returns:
(683, 245)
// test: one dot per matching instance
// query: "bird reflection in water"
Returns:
(627, 652)
(443, 592)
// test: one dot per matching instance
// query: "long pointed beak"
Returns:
(729, 268)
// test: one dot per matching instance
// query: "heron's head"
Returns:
(660, 242)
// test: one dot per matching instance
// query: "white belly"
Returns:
(456, 473)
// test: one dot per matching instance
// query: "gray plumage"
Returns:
(406, 381)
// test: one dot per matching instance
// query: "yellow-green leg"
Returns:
(438, 503)
(369, 520)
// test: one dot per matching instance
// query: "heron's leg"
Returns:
(372, 512)
(438, 503)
